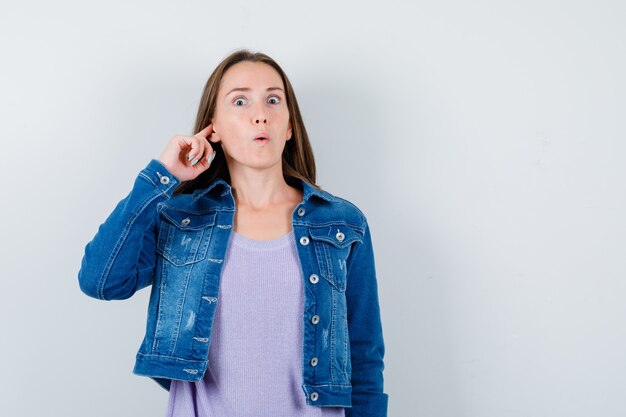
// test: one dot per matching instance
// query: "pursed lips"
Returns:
(262, 136)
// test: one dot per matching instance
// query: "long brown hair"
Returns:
(297, 158)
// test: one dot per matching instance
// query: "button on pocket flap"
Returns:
(185, 220)
(338, 235)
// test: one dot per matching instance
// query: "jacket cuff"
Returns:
(159, 176)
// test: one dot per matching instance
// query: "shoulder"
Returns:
(346, 209)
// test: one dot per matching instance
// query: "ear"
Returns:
(214, 137)
(289, 132)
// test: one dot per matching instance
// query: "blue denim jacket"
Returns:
(177, 244)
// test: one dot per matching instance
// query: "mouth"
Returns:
(262, 137)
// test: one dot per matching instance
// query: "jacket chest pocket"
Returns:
(332, 245)
(184, 237)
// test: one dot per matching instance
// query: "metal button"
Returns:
(186, 221)
(314, 279)
(315, 319)
(314, 396)
(165, 180)
(301, 211)
(313, 361)
(340, 236)
(304, 240)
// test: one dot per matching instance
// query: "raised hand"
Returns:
(186, 157)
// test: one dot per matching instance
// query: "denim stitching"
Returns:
(199, 212)
(161, 191)
(345, 343)
(148, 178)
(333, 336)
(358, 229)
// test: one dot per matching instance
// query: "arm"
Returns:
(365, 331)
(121, 258)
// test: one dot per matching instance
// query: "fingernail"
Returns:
(211, 156)
(194, 162)
(190, 156)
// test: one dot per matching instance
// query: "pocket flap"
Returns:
(186, 220)
(339, 235)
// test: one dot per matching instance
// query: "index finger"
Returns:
(206, 131)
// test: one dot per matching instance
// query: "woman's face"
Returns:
(242, 114)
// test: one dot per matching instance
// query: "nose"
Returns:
(259, 115)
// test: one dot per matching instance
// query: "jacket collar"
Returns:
(222, 187)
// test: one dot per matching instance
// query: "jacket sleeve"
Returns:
(121, 257)
(365, 332)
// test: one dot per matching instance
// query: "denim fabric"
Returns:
(177, 243)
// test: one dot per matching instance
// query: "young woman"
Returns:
(263, 286)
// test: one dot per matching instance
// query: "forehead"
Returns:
(255, 75)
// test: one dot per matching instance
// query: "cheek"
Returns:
(228, 123)
(279, 115)
(232, 119)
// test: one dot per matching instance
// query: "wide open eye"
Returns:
(238, 99)
(277, 98)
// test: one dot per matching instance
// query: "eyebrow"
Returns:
(249, 89)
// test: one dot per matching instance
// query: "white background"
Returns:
(484, 141)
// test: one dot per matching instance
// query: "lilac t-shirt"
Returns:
(255, 355)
